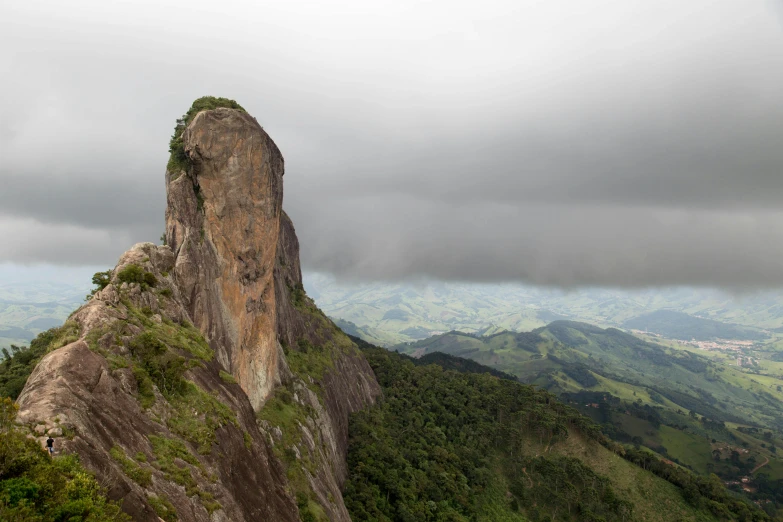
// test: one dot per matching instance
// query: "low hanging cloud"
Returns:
(564, 143)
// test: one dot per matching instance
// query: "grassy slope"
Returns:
(653, 498)
(619, 370)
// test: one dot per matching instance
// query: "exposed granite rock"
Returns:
(76, 387)
(222, 223)
(232, 270)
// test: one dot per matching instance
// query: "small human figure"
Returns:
(50, 445)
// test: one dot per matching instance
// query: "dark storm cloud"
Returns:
(563, 143)
(564, 245)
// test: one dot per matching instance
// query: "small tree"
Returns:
(101, 280)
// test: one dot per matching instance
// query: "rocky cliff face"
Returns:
(222, 223)
(202, 383)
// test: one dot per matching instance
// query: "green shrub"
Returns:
(145, 389)
(303, 503)
(209, 503)
(197, 415)
(65, 334)
(150, 279)
(131, 274)
(15, 490)
(184, 337)
(166, 452)
(162, 365)
(227, 377)
(135, 274)
(310, 360)
(298, 296)
(140, 475)
(16, 368)
(163, 508)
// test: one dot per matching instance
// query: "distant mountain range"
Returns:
(388, 314)
(391, 313)
(678, 325)
(28, 308)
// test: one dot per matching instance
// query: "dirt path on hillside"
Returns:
(760, 466)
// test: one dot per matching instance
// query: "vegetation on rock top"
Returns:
(178, 160)
(135, 274)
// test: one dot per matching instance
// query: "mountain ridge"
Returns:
(169, 380)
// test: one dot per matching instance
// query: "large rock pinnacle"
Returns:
(222, 222)
(168, 382)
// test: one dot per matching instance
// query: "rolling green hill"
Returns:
(678, 325)
(29, 308)
(449, 362)
(445, 361)
(684, 404)
(454, 446)
(568, 356)
(363, 332)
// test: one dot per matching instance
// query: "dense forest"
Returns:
(445, 445)
(449, 362)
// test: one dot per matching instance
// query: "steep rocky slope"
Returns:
(201, 383)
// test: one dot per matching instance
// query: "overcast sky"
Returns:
(557, 142)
